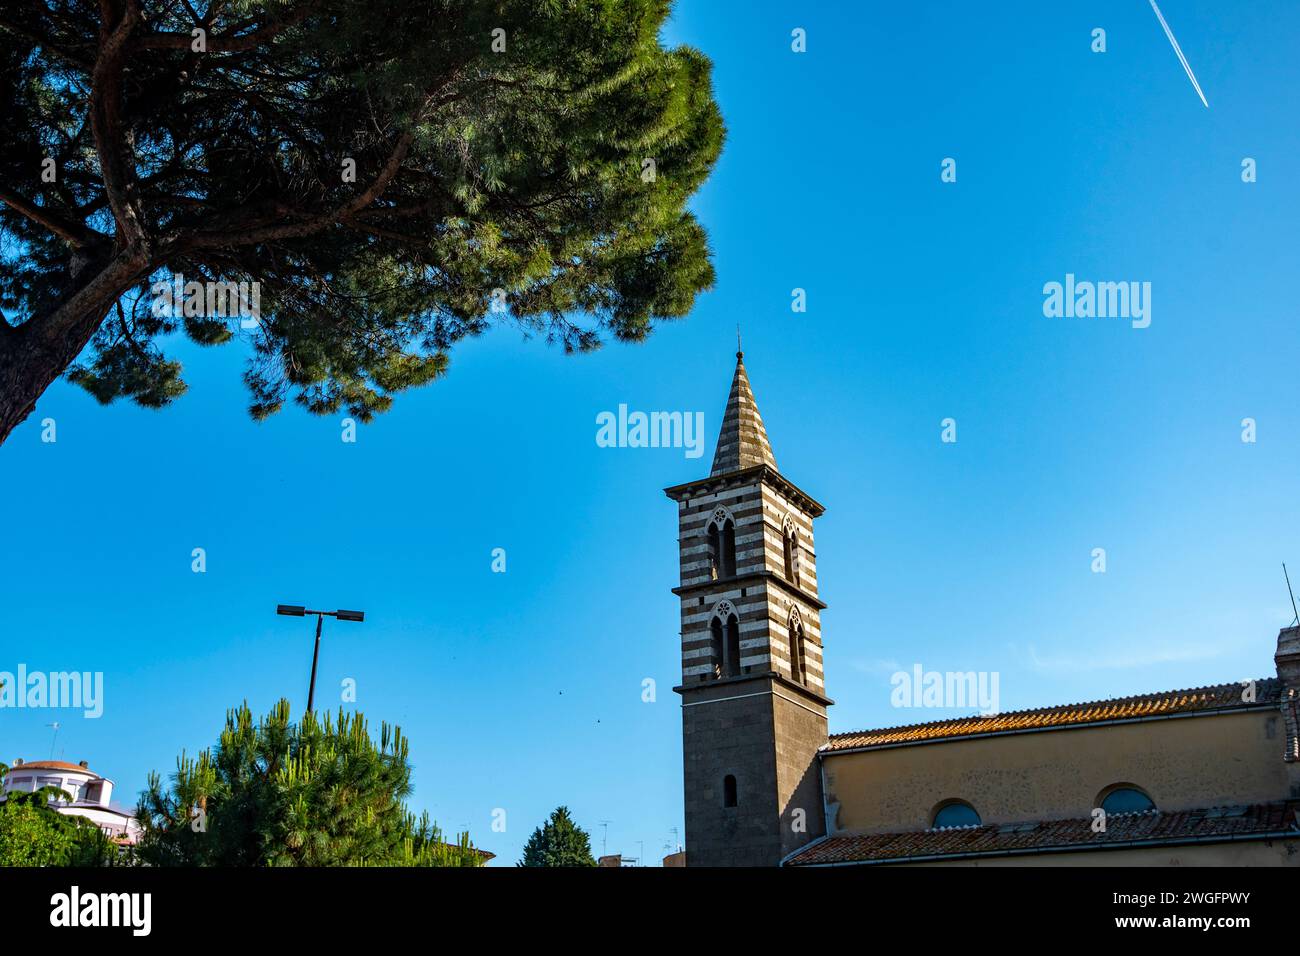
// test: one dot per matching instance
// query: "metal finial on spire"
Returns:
(739, 350)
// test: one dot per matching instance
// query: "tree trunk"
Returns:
(34, 354)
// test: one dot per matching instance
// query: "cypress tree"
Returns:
(558, 842)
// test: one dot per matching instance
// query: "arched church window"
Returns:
(715, 647)
(724, 640)
(790, 543)
(1125, 798)
(733, 646)
(729, 791)
(715, 553)
(729, 549)
(721, 534)
(955, 813)
(798, 667)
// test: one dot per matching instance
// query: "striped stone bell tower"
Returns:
(753, 692)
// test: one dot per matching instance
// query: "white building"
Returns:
(91, 794)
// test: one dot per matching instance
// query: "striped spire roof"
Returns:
(742, 443)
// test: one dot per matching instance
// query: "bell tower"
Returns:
(753, 692)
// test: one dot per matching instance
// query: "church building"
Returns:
(1206, 776)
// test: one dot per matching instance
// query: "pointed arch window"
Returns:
(733, 646)
(729, 549)
(724, 640)
(790, 547)
(798, 664)
(715, 552)
(715, 647)
(721, 533)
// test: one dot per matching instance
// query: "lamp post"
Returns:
(297, 610)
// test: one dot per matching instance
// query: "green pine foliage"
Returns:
(558, 842)
(518, 161)
(319, 792)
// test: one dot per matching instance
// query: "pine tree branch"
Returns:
(77, 233)
(224, 43)
(46, 44)
(106, 120)
(313, 223)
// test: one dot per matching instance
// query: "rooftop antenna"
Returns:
(55, 725)
(604, 840)
(1292, 593)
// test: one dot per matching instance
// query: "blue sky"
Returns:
(523, 690)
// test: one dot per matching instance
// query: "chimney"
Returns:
(1287, 659)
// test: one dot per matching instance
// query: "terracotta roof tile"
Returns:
(51, 765)
(1161, 704)
(1214, 824)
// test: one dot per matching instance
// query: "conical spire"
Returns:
(742, 443)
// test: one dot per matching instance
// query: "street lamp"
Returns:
(297, 610)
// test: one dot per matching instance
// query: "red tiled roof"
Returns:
(52, 765)
(1213, 825)
(483, 855)
(1143, 706)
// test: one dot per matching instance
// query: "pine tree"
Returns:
(558, 842)
(320, 792)
(394, 176)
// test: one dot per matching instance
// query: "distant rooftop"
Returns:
(1170, 703)
(52, 765)
(1154, 828)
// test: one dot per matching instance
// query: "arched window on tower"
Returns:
(715, 647)
(715, 552)
(798, 667)
(729, 791)
(790, 542)
(721, 533)
(724, 641)
(733, 646)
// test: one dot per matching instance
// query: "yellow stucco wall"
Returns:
(1182, 763)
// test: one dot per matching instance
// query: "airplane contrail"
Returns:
(1181, 59)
